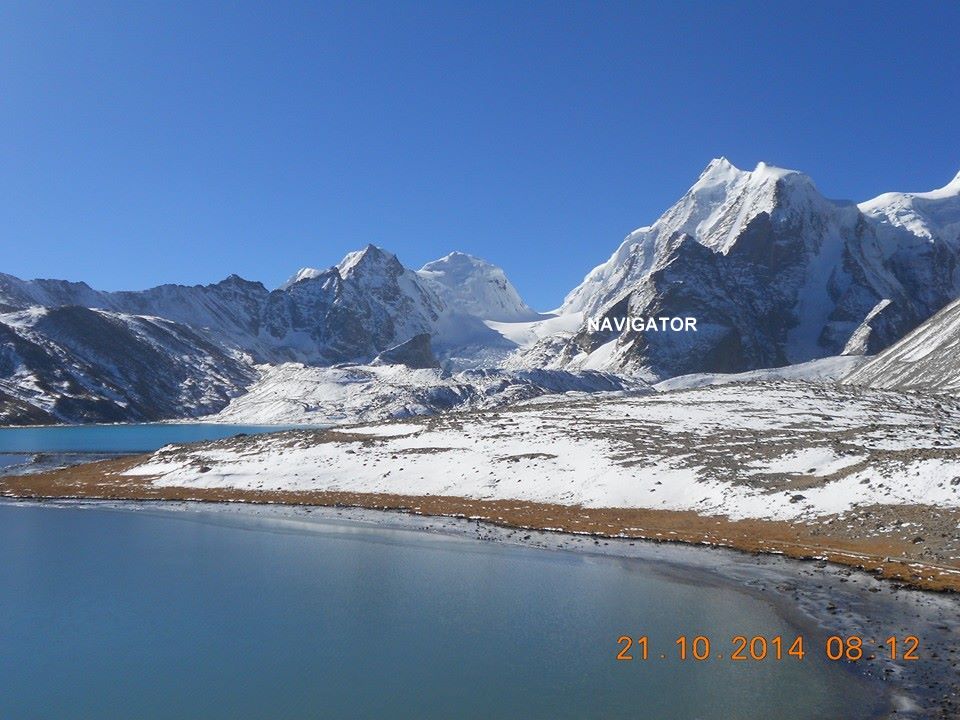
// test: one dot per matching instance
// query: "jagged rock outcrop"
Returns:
(415, 353)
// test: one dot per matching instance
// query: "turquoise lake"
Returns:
(151, 613)
(116, 438)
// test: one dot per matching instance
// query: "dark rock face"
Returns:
(349, 313)
(74, 364)
(415, 353)
(749, 307)
(14, 411)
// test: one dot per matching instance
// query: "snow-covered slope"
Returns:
(299, 394)
(831, 369)
(933, 215)
(475, 287)
(766, 450)
(72, 364)
(927, 359)
(774, 273)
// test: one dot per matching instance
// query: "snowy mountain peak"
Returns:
(369, 260)
(952, 187)
(903, 218)
(764, 171)
(948, 192)
(717, 170)
(460, 258)
(234, 282)
(304, 273)
(714, 213)
(476, 287)
(721, 172)
(461, 265)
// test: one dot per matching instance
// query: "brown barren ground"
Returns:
(892, 558)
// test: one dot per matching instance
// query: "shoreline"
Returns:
(816, 599)
(886, 558)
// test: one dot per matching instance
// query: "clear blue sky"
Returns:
(143, 143)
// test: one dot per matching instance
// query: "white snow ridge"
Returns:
(475, 287)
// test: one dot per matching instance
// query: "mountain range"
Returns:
(347, 313)
(72, 353)
(774, 272)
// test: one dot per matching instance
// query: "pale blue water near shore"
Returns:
(151, 614)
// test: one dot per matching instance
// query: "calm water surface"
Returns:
(153, 614)
(12, 460)
(116, 438)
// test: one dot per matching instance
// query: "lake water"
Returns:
(116, 438)
(147, 613)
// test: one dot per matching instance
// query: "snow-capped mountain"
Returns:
(227, 312)
(18, 294)
(932, 216)
(350, 312)
(475, 287)
(73, 364)
(774, 272)
(928, 359)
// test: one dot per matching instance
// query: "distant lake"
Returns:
(156, 614)
(116, 438)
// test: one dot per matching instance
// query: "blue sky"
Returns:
(143, 143)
